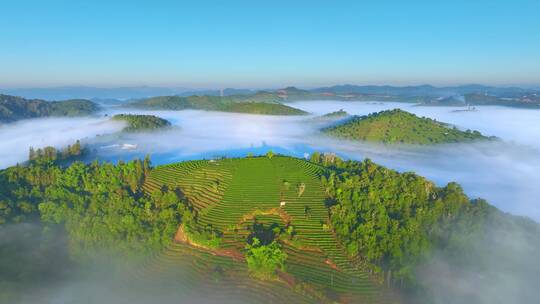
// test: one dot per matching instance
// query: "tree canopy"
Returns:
(395, 221)
(142, 122)
(102, 206)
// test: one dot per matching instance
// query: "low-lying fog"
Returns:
(506, 173)
(16, 138)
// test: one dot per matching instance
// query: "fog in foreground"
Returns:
(36, 267)
(501, 267)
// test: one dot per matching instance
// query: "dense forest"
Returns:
(51, 154)
(398, 126)
(101, 205)
(397, 222)
(142, 122)
(260, 103)
(14, 108)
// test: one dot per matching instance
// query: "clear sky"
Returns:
(268, 43)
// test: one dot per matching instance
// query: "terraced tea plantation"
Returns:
(231, 195)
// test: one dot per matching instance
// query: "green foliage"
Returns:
(263, 260)
(13, 108)
(102, 206)
(205, 236)
(398, 126)
(394, 220)
(141, 122)
(51, 154)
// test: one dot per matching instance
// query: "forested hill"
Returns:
(14, 108)
(260, 103)
(142, 122)
(334, 230)
(398, 126)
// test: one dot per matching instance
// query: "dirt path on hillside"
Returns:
(182, 238)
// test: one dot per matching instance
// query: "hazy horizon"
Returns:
(145, 91)
(275, 86)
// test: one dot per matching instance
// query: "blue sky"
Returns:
(268, 43)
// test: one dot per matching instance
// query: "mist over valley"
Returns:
(378, 152)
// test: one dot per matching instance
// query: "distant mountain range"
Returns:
(422, 90)
(140, 92)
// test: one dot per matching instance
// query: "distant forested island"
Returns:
(141, 122)
(335, 115)
(14, 108)
(259, 103)
(398, 126)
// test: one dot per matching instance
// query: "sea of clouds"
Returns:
(505, 172)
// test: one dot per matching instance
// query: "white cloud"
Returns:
(18, 137)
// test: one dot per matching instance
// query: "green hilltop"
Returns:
(142, 122)
(259, 103)
(398, 126)
(318, 231)
(13, 108)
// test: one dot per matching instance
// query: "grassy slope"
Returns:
(194, 272)
(226, 192)
(397, 126)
